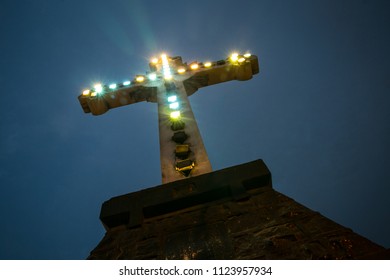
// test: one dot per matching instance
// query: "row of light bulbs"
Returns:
(174, 105)
(99, 88)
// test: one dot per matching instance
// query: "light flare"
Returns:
(166, 69)
(98, 88)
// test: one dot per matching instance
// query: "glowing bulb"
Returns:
(172, 98)
(241, 59)
(181, 70)
(126, 83)
(86, 92)
(234, 57)
(112, 86)
(152, 76)
(140, 79)
(207, 64)
(154, 60)
(194, 66)
(98, 88)
(174, 105)
(94, 93)
(247, 55)
(175, 115)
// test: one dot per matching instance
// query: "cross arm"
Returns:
(102, 98)
(99, 103)
(223, 71)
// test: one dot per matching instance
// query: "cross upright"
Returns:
(169, 83)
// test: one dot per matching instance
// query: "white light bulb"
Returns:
(152, 76)
(174, 105)
(172, 98)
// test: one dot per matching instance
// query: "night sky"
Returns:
(317, 113)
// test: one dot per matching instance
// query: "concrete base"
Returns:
(233, 213)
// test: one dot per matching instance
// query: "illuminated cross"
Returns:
(169, 83)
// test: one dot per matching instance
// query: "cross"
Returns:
(169, 83)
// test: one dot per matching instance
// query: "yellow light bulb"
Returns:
(181, 70)
(241, 59)
(207, 64)
(154, 60)
(140, 79)
(234, 57)
(194, 66)
(94, 93)
(175, 115)
(86, 92)
(247, 55)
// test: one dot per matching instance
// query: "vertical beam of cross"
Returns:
(181, 144)
(170, 82)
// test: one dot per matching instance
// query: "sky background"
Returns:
(317, 114)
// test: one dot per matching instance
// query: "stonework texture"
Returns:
(262, 224)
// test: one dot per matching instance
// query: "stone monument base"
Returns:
(232, 213)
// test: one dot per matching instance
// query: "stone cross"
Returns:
(169, 83)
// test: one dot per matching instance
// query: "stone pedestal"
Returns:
(232, 213)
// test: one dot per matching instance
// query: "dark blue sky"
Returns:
(317, 114)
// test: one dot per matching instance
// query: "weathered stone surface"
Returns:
(229, 214)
